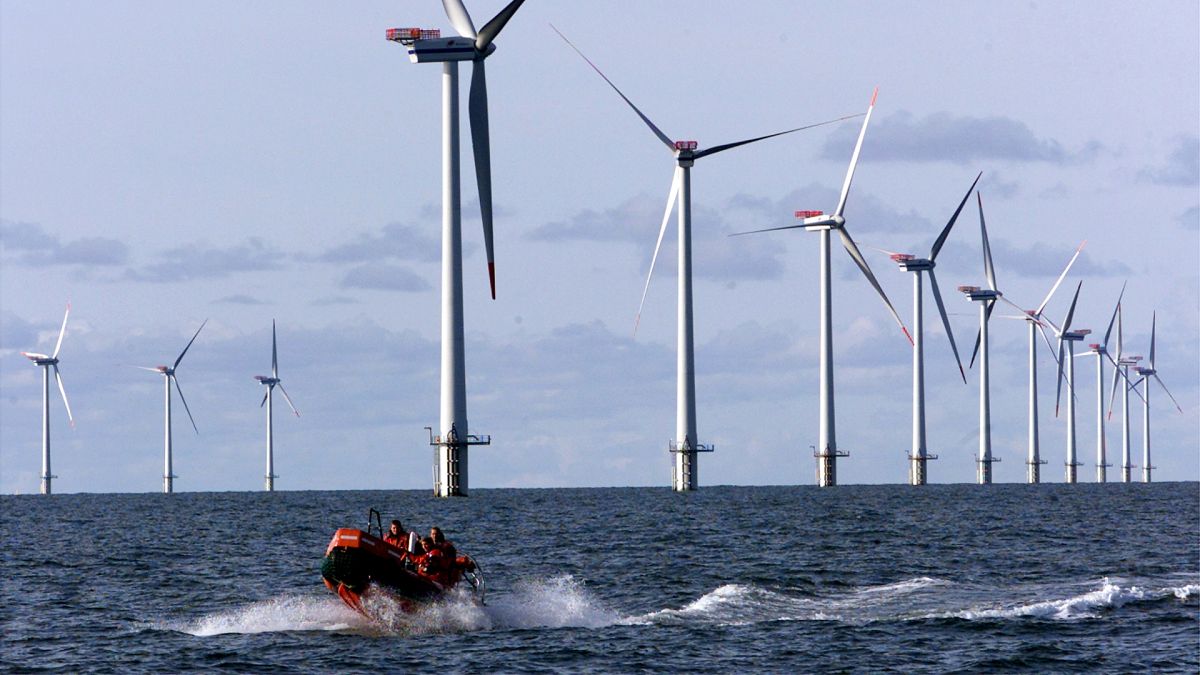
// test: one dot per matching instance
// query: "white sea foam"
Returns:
(547, 603)
(1110, 595)
(285, 613)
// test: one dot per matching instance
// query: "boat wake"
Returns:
(564, 602)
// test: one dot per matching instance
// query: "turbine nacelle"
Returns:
(1076, 335)
(40, 359)
(977, 294)
(443, 49)
(1129, 360)
(911, 263)
(820, 221)
(1144, 372)
(263, 379)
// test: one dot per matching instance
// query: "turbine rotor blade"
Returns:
(767, 229)
(941, 240)
(1113, 320)
(937, 296)
(265, 393)
(481, 145)
(61, 332)
(728, 146)
(1065, 328)
(1164, 388)
(189, 345)
(1049, 346)
(988, 269)
(459, 18)
(657, 132)
(288, 399)
(185, 405)
(672, 197)
(841, 207)
(1153, 326)
(62, 390)
(987, 316)
(274, 352)
(492, 28)
(1061, 277)
(859, 260)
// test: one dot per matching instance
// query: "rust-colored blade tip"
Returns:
(492, 278)
(874, 95)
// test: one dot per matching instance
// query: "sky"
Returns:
(166, 163)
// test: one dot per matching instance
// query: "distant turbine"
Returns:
(46, 363)
(1037, 321)
(987, 302)
(1100, 351)
(919, 456)
(1146, 374)
(826, 451)
(168, 373)
(686, 443)
(427, 46)
(1069, 338)
(1124, 361)
(272, 382)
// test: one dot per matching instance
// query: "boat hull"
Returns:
(357, 563)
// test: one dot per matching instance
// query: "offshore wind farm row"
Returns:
(452, 438)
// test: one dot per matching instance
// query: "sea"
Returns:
(880, 578)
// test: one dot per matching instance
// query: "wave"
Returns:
(564, 602)
(1089, 605)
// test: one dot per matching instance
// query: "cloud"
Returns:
(1182, 166)
(1190, 219)
(384, 277)
(189, 263)
(16, 333)
(941, 137)
(33, 246)
(633, 220)
(393, 241)
(240, 300)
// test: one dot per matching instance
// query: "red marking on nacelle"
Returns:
(686, 145)
(399, 34)
(809, 214)
(1094, 345)
(968, 289)
(902, 257)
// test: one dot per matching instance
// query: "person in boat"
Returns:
(456, 564)
(433, 563)
(397, 536)
(440, 541)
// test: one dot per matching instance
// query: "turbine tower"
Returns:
(918, 458)
(686, 444)
(1100, 351)
(1037, 321)
(168, 373)
(427, 46)
(270, 383)
(1146, 374)
(987, 302)
(1069, 338)
(826, 451)
(46, 362)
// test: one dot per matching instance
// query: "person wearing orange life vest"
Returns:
(433, 563)
(397, 536)
(457, 564)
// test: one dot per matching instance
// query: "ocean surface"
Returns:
(944, 578)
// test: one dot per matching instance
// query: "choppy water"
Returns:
(943, 578)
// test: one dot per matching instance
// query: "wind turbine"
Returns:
(826, 452)
(427, 46)
(1036, 321)
(1100, 351)
(987, 302)
(1146, 374)
(686, 444)
(919, 457)
(1122, 372)
(1069, 338)
(46, 363)
(270, 383)
(168, 373)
